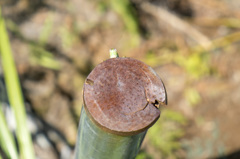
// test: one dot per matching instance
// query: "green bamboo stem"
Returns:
(6, 138)
(95, 143)
(14, 94)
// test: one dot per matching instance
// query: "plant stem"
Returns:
(15, 94)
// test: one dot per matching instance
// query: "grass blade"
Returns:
(6, 138)
(14, 94)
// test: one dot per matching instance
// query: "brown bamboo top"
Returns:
(122, 96)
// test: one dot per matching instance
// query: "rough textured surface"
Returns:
(123, 95)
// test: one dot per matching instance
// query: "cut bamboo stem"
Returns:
(121, 99)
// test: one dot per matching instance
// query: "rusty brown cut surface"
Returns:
(122, 96)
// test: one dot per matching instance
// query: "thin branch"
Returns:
(162, 15)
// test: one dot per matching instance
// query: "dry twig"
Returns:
(175, 22)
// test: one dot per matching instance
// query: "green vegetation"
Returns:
(15, 97)
(39, 54)
(170, 128)
(6, 139)
(192, 96)
(126, 12)
(42, 57)
(47, 28)
(196, 64)
(143, 155)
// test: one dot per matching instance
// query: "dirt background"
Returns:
(193, 45)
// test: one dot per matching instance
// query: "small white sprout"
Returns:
(113, 53)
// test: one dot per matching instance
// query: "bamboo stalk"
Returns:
(121, 100)
(14, 94)
(93, 142)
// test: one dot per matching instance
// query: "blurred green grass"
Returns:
(6, 138)
(16, 101)
(165, 135)
(127, 15)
